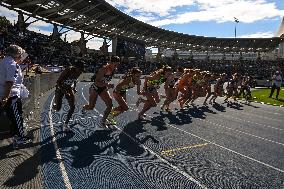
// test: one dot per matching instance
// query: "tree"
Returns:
(4, 21)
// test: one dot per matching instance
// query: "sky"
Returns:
(210, 18)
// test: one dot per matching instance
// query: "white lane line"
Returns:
(58, 154)
(276, 128)
(159, 157)
(220, 146)
(247, 113)
(231, 110)
(264, 125)
(261, 138)
(275, 168)
(251, 114)
(236, 130)
(261, 110)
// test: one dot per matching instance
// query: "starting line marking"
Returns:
(171, 152)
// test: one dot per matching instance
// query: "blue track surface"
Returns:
(240, 146)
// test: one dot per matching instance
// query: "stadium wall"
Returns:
(37, 85)
(281, 50)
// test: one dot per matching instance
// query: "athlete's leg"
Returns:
(58, 97)
(148, 103)
(71, 101)
(108, 101)
(122, 105)
(93, 96)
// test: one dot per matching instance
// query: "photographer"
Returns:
(11, 88)
(276, 84)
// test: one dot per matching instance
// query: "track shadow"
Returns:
(195, 112)
(83, 154)
(180, 118)
(46, 153)
(109, 142)
(280, 100)
(159, 122)
(206, 109)
(234, 105)
(219, 107)
(249, 104)
(134, 130)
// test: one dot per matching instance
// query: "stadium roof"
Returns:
(280, 31)
(97, 17)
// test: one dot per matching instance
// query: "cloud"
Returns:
(72, 36)
(160, 7)
(94, 43)
(247, 11)
(10, 15)
(38, 23)
(267, 34)
(39, 30)
(145, 19)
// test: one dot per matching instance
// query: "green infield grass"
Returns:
(262, 95)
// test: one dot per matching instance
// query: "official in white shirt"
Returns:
(11, 79)
(276, 84)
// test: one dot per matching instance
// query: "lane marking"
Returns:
(251, 112)
(208, 141)
(211, 142)
(58, 154)
(260, 116)
(236, 130)
(264, 125)
(220, 146)
(276, 128)
(151, 151)
(245, 113)
(172, 151)
(228, 116)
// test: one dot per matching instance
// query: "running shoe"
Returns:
(103, 125)
(168, 110)
(66, 127)
(110, 121)
(53, 110)
(83, 111)
(115, 113)
(110, 116)
(139, 101)
(141, 117)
